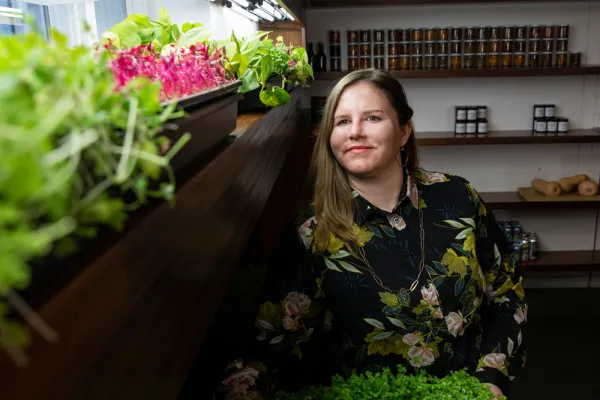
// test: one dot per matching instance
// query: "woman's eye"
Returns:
(342, 122)
(373, 118)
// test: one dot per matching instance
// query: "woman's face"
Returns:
(366, 137)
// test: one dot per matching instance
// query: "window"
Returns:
(11, 26)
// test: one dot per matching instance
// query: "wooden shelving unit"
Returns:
(512, 201)
(506, 137)
(479, 73)
(373, 3)
(564, 261)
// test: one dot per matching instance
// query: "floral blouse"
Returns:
(325, 314)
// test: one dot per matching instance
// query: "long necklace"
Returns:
(421, 263)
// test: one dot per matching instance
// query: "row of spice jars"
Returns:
(551, 126)
(453, 33)
(470, 121)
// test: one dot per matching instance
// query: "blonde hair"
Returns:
(333, 204)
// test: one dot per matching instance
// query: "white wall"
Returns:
(510, 102)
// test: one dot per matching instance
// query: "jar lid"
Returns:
(481, 106)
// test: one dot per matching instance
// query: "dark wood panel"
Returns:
(513, 201)
(478, 73)
(506, 137)
(369, 3)
(131, 323)
(297, 7)
(564, 261)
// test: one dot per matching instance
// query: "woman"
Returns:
(396, 265)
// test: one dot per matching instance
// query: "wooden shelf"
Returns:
(478, 73)
(506, 137)
(564, 261)
(372, 3)
(512, 201)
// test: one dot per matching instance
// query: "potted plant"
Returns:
(268, 69)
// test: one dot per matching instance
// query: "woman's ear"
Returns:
(406, 132)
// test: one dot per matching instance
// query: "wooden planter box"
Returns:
(132, 320)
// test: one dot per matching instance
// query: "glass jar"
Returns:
(535, 45)
(562, 59)
(417, 48)
(352, 50)
(379, 62)
(353, 63)
(455, 61)
(393, 63)
(393, 35)
(562, 45)
(469, 61)
(520, 46)
(393, 49)
(334, 37)
(534, 60)
(548, 31)
(429, 61)
(480, 33)
(430, 35)
(430, 48)
(443, 34)
(456, 46)
(456, 33)
(379, 49)
(365, 36)
(442, 47)
(520, 33)
(378, 36)
(416, 62)
(365, 62)
(563, 32)
(519, 60)
(480, 61)
(575, 59)
(404, 48)
(547, 45)
(470, 33)
(508, 33)
(495, 33)
(469, 46)
(535, 32)
(404, 63)
(364, 50)
(494, 46)
(482, 46)
(507, 60)
(493, 60)
(405, 35)
(442, 61)
(508, 46)
(546, 59)
(416, 35)
(335, 64)
(352, 36)
(335, 50)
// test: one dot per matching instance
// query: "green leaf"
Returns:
(464, 233)
(331, 265)
(147, 35)
(374, 322)
(374, 229)
(300, 54)
(454, 224)
(141, 20)
(388, 231)
(397, 322)
(175, 32)
(497, 257)
(127, 31)
(349, 267)
(249, 82)
(340, 254)
(269, 98)
(266, 68)
(194, 36)
(440, 267)
(163, 16)
(469, 221)
(382, 335)
(308, 69)
(282, 96)
(459, 286)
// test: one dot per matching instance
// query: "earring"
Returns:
(403, 155)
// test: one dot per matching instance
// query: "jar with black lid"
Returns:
(520, 33)
(335, 50)
(417, 48)
(334, 37)
(431, 35)
(379, 49)
(539, 110)
(547, 45)
(519, 60)
(482, 127)
(470, 46)
(469, 61)
(456, 46)
(429, 61)
(541, 127)
(508, 33)
(364, 62)
(562, 45)
(546, 59)
(470, 33)
(563, 126)
(456, 61)
(507, 60)
(549, 32)
(460, 129)
(393, 35)
(353, 64)
(378, 36)
(442, 61)
(352, 36)
(393, 63)
(364, 50)
(480, 60)
(480, 33)
(416, 61)
(520, 46)
(549, 110)
(495, 33)
(471, 129)
(442, 47)
(563, 32)
(534, 60)
(379, 62)
(403, 48)
(575, 59)
(335, 64)
(404, 62)
(460, 113)
(393, 49)
(495, 46)
(535, 45)
(481, 112)
(493, 60)
(365, 36)
(353, 50)
(456, 33)
(430, 48)
(562, 59)
(417, 34)
(535, 32)
(443, 34)
(481, 46)
(405, 35)
(471, 113)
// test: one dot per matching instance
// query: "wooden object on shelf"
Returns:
(514, 201)
(373, 3)
(478, 73)
(132, 322)
(564, 261)
(506, 137)
(531, 195)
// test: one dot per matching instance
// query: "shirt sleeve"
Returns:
(502, 352)
(290, 326)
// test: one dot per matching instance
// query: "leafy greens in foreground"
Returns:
(70, 147)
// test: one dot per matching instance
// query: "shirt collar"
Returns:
(363, 210)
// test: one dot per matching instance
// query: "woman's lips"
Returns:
(359, 149)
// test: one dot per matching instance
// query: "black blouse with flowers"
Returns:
(325, 314)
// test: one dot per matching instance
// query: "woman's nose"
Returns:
(356, 130)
